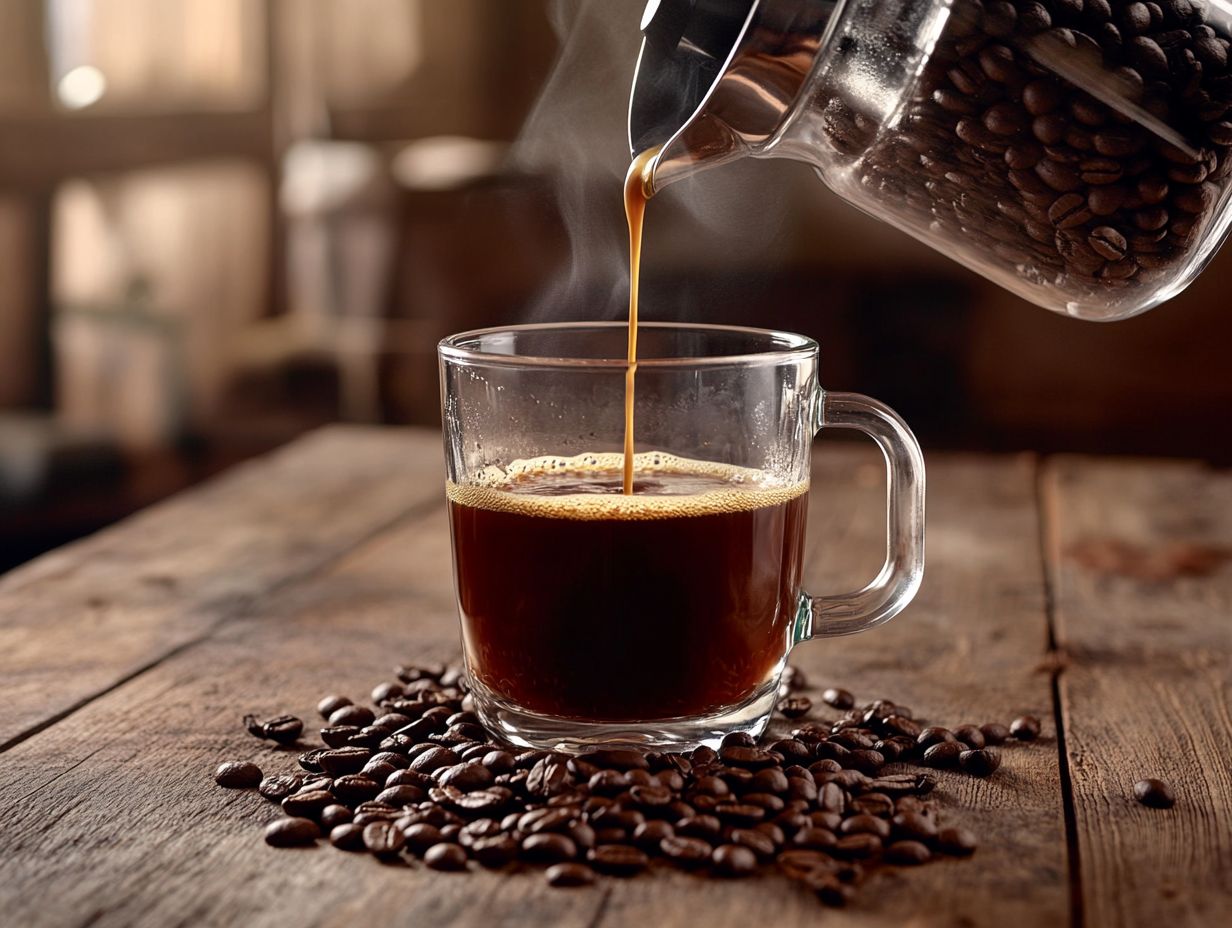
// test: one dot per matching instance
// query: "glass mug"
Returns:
(661, 619)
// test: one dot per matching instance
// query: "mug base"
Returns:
(527, 729)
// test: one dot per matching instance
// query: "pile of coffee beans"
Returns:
(418, 778)
(997, 151)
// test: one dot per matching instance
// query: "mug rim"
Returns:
(781, 347)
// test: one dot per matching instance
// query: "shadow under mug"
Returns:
(662, 619)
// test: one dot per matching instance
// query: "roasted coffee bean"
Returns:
(794, 707)
(1108, 242)
(354, 788)
(338, 761)
(308, 804)
(733, 860)
(335, 736)
(873, 804)
(1069, 211)
(279, 787)
(569, 874)
(284, 729)
(238, 775)
(359, 716)
(684, 851)
(866, 761)
(994, 733)
(813, 838)
(347, 837)
(760, 843)
(956, 841)
(838, 698)
(434, 759)
(857, 846)
(334, 815)
(494, 852)
(466, 777)
(421, 836)
(648, 834)
(617, 859)
(913, 826)
(1025, 728)
(934, 735)
(981, 762)
(291, 832)
(699, 826)
(1154, 793)
(384, 839)
(864, 824)
(908, 853)
(945, 754)
(970, 735)
(331, 704)
(445, 857)
(547, 778)
(748, 757)
(548, 848)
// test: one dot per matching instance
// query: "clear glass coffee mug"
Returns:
(661, 619)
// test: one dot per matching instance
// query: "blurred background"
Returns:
(224, 222)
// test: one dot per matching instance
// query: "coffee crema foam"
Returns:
(727, 488)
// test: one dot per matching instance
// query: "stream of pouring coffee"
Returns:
(637, 192)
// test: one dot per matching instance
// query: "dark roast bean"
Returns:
(548, 848)
(307, 804)
(970, 735)
(494, 852)
(907, 853)
(648, 834)
(347, 837)
(864, 824)
(760, 843)
(794, 707)
(733, 860)
(445, 857)
(857, 846)
(285, 729)
(1108, 242)
(994, 733)
(838, 698)
(617, 859)
(1069, 210)
(338, 761)
(956, 841)
(945, 754)
(1154, 793)
(813, 838)
(291, 832)
(749, 757)
(421, 836)
(331, 704)
(354, 788)
(569, 874)
(359, 716)
(934, 735)
(981, 762)
(279, 787)
(334, 815)
(384, 839)
(238, 775)
(1025, 728)
(434, 759)
(913, 826)
(684, 851)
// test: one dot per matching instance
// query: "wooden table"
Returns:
(1096, 594)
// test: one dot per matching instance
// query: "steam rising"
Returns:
(576, 136)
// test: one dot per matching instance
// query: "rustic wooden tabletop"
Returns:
(1094, 593)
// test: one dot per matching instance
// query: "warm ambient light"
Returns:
(81, 87)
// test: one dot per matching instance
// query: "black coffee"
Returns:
(580, 602)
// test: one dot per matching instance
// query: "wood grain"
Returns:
(1139, 556)
(112, 817)
(86, 617)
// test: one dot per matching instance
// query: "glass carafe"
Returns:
(1077, 152)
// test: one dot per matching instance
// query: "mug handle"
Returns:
(895, 585)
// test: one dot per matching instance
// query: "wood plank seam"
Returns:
(235, 608)
(1047, 528)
